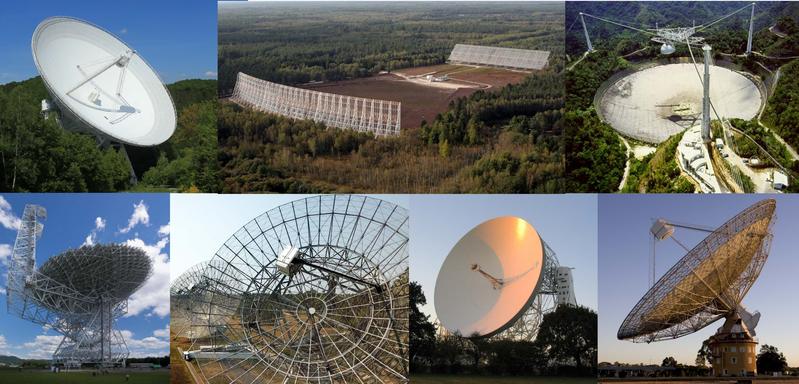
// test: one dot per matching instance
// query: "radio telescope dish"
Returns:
(708, 283)
(79, 293)
(315, 290)
(101, 85)
(496, 281)
(182, 294)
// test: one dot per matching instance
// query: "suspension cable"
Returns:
(620, 24)
(574, 22)
(701, 27)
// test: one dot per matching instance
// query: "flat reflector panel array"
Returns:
(380, 117)
(499, 57)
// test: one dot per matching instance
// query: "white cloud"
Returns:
(42, 347)
(164, 230)
(123, 31)
(162, 333)
(148, 346)
(7, 217)
(99, 225)
(139, 216)
(153, 296)
(210, 74)
(5, 253)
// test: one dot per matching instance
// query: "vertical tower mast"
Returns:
(706, 97)
(585, 30)
(751, 27)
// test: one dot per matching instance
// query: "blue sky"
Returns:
(139, 220)
(177, 37)
(566, 222)
(203, 222)
(624, 252)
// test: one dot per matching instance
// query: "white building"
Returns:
(565, 287)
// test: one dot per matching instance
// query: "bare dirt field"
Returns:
(422, 100)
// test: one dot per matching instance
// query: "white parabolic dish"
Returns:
(508, 249)
(101, 83)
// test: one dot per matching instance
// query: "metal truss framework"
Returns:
(183, 295)
(336, 312)
(79, 293)
(381, 117)
(545, 301)
(708, 283)
(526, 59)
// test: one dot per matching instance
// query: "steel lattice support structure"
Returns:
(79, 293)
(381, 117)
(708, 283)
(513, 58)
(526, 328)
(315, 290)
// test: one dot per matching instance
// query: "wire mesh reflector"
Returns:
(337, 311)
(708, 283)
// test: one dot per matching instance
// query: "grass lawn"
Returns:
(45, 377)
(446, 379)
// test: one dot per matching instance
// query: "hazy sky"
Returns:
(202, 222)
(177, 37)
(566, 222)
(138, 220)
(624, 253)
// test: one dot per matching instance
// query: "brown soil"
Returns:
(420, 102)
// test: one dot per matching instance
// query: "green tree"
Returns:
(570, 333)
(669, 362)
(770, 360)
(422, 331)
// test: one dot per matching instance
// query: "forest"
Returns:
(294, 43)
(590, 165)
(37, 155)
(506, 140)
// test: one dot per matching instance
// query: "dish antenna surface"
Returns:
(101, 85)
(499, 279)
(707, 284)
(315, 290)
(79, 293)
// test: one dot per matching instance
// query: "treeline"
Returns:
(36, 154)
(538, 98)
(188, 161)
(161, 360)
(566, 345)
(297, 43)
(505, 141)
